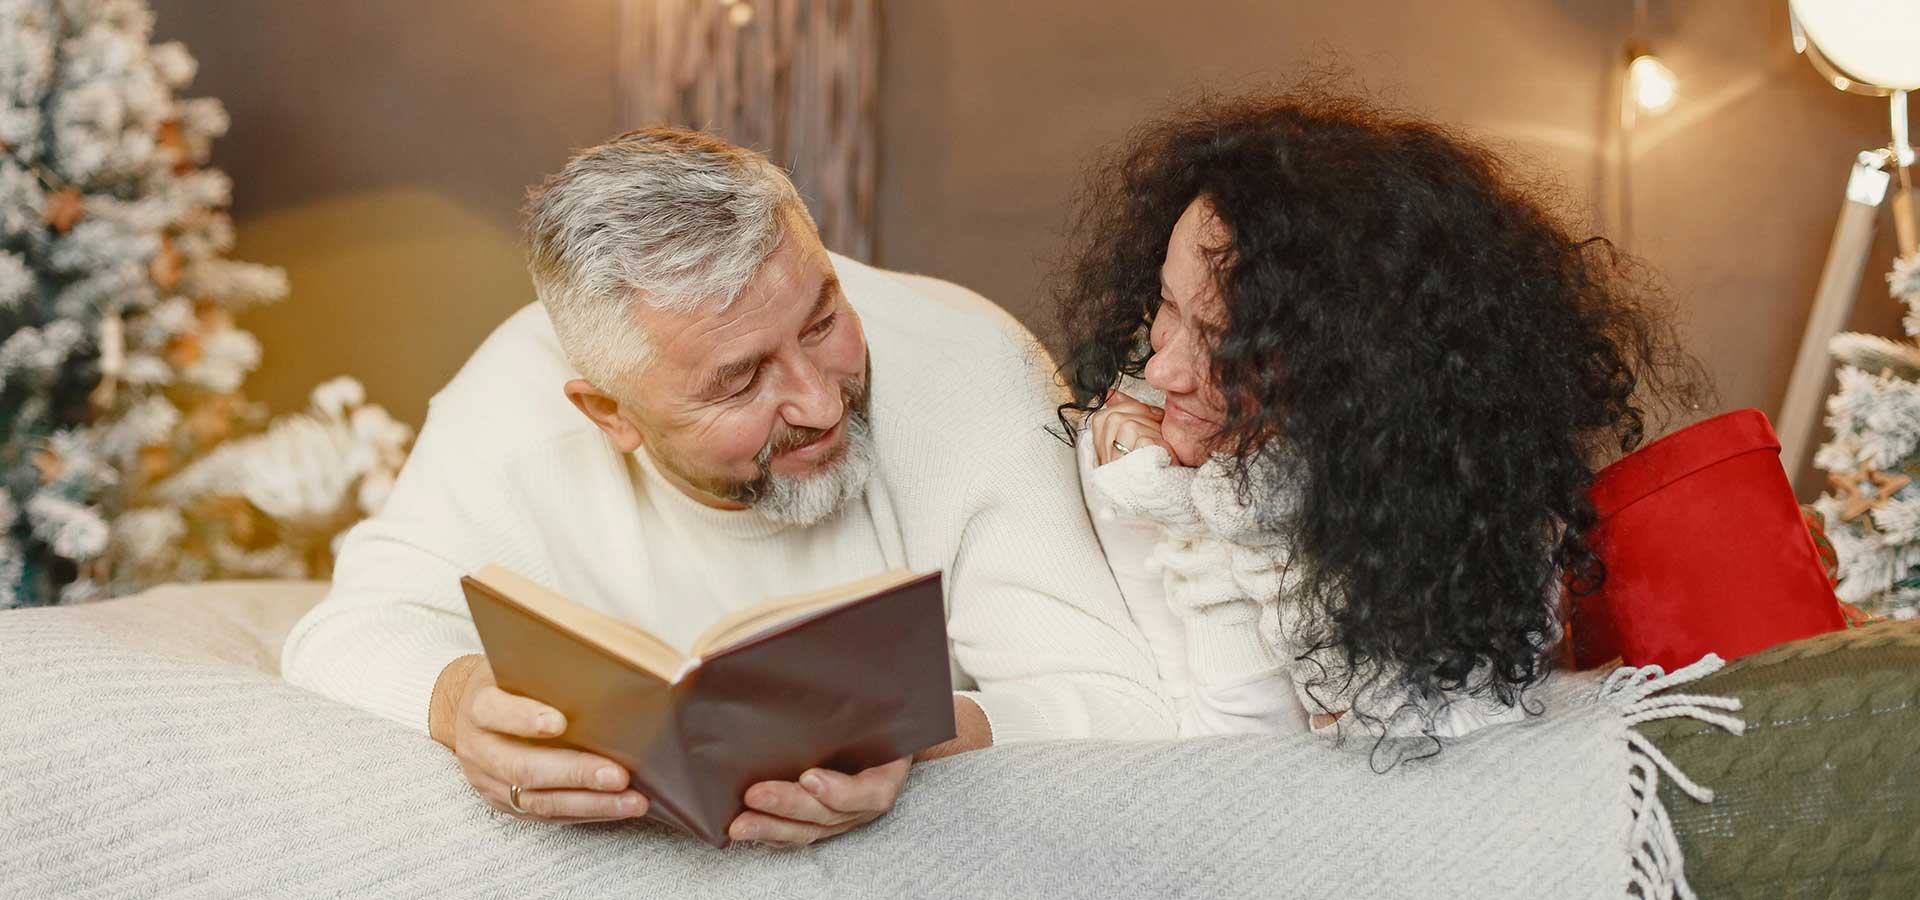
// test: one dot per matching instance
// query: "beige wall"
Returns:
(379, 150)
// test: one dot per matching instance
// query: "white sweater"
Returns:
(968, 480)
(1213, 586)
(1223, 670)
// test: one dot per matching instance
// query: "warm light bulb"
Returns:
(1652, 83)
(740, 14)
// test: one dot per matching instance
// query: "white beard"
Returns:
(810, 499)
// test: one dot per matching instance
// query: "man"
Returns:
(706, 409)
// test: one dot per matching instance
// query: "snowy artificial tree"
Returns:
(124, 449)
(1873, 461)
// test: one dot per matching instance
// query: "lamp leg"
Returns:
(1832, 305)
(1902, 157)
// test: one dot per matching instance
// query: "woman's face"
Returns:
(1185, 331)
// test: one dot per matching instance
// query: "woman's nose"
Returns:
(1171, 372)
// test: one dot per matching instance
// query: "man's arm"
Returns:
(394, 617)
(971, 731)
(1036, 618)
(394, 637)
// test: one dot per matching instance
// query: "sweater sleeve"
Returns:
(1230, 679)
(1394, 711)
(1036, 620)
(395, 615)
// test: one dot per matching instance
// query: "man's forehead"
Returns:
(707, 337)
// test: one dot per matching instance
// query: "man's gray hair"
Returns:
(675, 219)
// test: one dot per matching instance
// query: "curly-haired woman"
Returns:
(1379, 377)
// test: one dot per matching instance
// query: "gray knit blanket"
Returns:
(149, 751)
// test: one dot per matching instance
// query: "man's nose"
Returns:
(816, 401)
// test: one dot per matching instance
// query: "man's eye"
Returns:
(823, 326)
(746, 386)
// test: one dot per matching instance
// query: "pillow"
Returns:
(1821, 796)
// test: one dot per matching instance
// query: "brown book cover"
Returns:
(844, 679)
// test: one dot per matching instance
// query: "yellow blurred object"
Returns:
(1651, 83)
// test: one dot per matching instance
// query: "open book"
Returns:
(846, 678)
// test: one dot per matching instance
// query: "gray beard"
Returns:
(800, 499)
(810, 499)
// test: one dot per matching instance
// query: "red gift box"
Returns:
(1705, 551)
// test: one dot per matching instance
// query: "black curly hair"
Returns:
(1440, 358)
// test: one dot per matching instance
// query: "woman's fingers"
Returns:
(1119, 431)
(1134, 433)
(1123, 401)
(1123, 428)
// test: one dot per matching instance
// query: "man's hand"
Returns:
(488, 730)
(821, 804)
(1124, 421)
(824, 803)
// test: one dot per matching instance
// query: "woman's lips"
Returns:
(1179, 413)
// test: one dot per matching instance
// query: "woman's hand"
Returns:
(1122, 425)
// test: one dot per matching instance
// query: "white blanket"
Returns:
(149, 751)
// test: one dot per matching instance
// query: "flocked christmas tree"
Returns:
(125, 449)
(1873, 461)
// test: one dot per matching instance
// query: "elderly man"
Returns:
(707, 409)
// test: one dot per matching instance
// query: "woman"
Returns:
(1378, 380)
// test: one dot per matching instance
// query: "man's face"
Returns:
(762, 392)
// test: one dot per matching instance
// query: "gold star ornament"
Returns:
(1866, 490)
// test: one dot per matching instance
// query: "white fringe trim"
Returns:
(1657, 869)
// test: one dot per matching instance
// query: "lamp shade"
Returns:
(1870, 43)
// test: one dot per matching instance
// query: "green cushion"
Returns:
(1821, 797)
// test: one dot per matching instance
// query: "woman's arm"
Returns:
(1220, 671)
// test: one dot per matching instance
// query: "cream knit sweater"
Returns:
(968, 481)
(1213, 584)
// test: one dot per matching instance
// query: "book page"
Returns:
(622, 639)
(744, 624)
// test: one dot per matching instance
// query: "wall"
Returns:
(379, 150)
(988, 107)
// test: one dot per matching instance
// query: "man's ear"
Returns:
(604, 410)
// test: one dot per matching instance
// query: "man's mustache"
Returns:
(853, 396)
